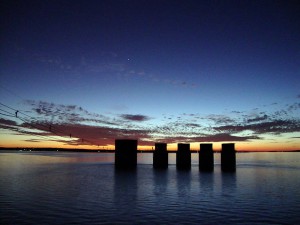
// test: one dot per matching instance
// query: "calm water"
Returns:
(84, 188)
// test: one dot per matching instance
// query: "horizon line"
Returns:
(113, 150)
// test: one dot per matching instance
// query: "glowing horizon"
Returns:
(240, 147)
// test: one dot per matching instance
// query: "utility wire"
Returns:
(36, 134)
(8, 107)
(38, 128)
(30, 124)
(58, 130)
(16, 115)
(46, 127)
(40, 135)
(17, 111)
(5, 111)
(6, 115)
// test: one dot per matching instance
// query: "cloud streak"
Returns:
(137, 118)
(275, 127)
(108, 62)
(78, 126)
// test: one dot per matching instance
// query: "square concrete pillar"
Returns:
(125, 154)
(228, 160)
(206, 157)
(183, 157)
(160, 156)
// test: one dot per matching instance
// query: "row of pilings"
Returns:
(126, 156)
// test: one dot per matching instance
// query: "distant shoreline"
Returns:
(112, 151)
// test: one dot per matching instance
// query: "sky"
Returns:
(80, 74)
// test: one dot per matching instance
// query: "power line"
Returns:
(16, 115)
(6, 115)
(30, 124)
(7, 106)
(49, 128)
(36, 128)
(32, 134)
(19, 111)
(33, 126)
(5, 111)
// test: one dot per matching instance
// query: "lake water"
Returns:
(84, 188)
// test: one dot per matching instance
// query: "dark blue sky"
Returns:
(160, 60)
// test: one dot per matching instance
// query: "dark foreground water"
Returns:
(84, 188)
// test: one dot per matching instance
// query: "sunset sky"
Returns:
(83, 73)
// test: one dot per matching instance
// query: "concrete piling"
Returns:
(183, 157)
(228, 159)
(206, 157)
(125, 154)
(160, 156)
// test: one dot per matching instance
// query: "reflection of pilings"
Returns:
(228, 161)
(206, 157)
(183, 156)
(160, 156)
(125, 154)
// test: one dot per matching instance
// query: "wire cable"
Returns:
(6, 115)
(49, 127)
(5, 111)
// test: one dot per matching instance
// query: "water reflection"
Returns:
(228, 183)
(206, 182)
(264, 190)
(125, 191)
(160, 179)
(20, 159)
(183, 181)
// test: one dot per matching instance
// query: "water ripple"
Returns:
(90, 193)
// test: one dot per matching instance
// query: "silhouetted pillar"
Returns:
(206, 157)
(125, 154)
(160, 156)
(228, 161)
(183, 156)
